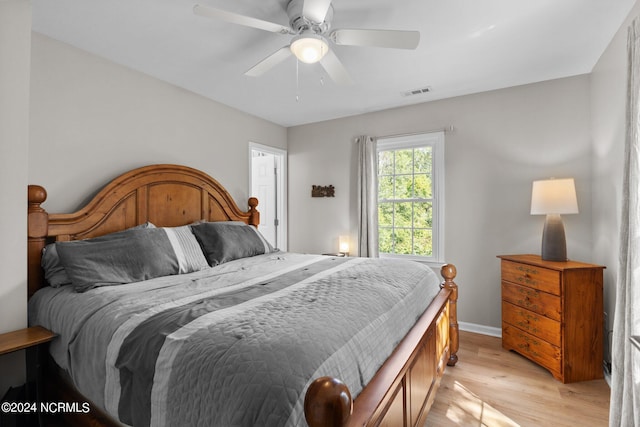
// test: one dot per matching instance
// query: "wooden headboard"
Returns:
(166, 195)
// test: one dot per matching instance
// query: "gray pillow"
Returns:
(225, 241)
(54, 272)
(130, 256)
(118, 258)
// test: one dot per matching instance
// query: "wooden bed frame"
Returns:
(401, 392)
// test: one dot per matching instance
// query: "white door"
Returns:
(268, 177)
(263, 185)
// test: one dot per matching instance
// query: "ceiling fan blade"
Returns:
(235, 18)
(316, 10)
(269, 62)
(333, 66)
(376, 38)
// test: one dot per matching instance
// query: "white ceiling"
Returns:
(466, 46)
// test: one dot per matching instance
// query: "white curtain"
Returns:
(625, 376)
(367, 197)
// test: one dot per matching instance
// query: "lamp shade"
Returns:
(309, 48)
(343, 243)
(554, 196)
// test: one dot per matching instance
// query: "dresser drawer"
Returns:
(532, 347)
(531, 276)
(541, 302)
(533, 323)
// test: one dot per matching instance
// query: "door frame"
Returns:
(281, 187)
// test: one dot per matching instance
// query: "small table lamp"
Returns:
(553, 197)
(343, 243)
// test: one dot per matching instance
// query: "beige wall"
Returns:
(92, 119)
(502, 141)
(608, 90)
(15, 33)
(71, 121)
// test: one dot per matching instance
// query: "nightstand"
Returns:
(552, 314)
(24, 338)
(29, 339)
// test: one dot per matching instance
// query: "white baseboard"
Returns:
(480, 329)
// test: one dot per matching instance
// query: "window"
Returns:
(411, 196)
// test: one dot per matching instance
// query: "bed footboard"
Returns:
(403, 390)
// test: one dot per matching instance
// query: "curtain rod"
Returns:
(444, 129)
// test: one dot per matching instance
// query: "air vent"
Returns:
(417, 91)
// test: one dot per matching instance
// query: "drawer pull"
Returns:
(527, 317)
(526, 347)
(527, 275)
(529, 293)
(527, 303)
(527, 327)
(527, 280)
(530, 341)
(526, 270)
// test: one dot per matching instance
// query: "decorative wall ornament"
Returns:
(322, 191)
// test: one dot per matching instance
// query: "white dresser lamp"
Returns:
(554, 197)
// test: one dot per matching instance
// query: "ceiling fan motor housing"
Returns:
(300, 23)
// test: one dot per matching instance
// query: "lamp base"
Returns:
(554, 244)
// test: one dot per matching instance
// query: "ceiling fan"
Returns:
(310, 23)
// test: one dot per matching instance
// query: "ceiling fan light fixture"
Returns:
(309, 47)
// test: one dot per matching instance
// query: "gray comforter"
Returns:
(237, 344)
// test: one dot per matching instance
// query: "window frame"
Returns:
(435, 140)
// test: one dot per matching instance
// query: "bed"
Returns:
(255, 337)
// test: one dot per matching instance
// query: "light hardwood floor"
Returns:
(493, 387)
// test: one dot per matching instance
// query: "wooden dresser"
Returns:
(552, 313)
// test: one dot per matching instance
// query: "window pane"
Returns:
(403, 243)
(385, 240)
(385, 214)
(385, 163)
(385, 187)
(404, 187)
(422, 162)
(423, 186)
(404, 161)
(403, 214)
(423, 215)
(423, 242)
(407, 195)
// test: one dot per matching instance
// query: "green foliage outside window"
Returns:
(405, 201)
